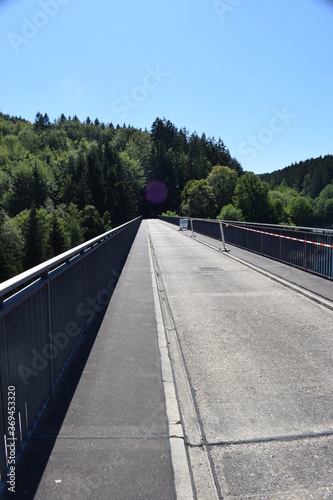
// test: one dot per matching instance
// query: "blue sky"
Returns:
(257, 73)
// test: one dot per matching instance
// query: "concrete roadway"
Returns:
(257, 356)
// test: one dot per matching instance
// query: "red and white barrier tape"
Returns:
(282, 236)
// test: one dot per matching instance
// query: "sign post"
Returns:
(183, 224)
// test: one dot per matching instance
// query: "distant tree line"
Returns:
(226, 195)
(308, 177)
(65, 182)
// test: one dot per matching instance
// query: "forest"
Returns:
(64, 182)
(308, 177)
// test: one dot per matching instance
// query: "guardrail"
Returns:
(41, 323)
(310, 249)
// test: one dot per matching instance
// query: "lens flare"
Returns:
(156, 192)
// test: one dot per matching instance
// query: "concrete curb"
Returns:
(182, 476)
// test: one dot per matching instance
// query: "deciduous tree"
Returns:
(198, 199)
(223, 181)
(251, 196)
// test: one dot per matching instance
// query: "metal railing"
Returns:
(41, 324)
(310, 249)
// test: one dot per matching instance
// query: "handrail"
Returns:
(43, 268)
(307, 248)
(260, 224)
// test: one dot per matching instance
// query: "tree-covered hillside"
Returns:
(65, 182)
(307, 177)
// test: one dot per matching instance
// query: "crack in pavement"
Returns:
(53, 436)
(268, 439)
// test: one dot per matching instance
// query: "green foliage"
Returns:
(36, 248)
(223, 181)
(107, 221)
(75, 234)
(306, 177)
(198, 199)
(132, 185)
(139, 147)
(230, 212)
(4, 183)
(178, 158)
(251, 196)
(279, 211)
(91, 222)
(58, 239)
(65, 182)
(29, 184)
(301, 211)
(73, 225)
(283, 193)
(11, 247)
(328, 212)
(29, 139)
(170, 213)
(323, 205)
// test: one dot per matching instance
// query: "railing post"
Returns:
(262, 244)
(101, 267)
(50, 333)
(193, 235)
(222, 237)
(84, 278)
(280, 248)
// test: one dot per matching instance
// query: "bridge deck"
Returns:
(258, 357)
(252, 362)
(106, 435)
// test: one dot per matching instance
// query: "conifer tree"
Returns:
(57, 238)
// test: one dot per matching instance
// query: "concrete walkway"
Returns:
(251, 362)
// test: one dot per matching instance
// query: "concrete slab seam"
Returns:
(193, 432)
(271, 439)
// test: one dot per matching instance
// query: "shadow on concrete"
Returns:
(35, 455)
